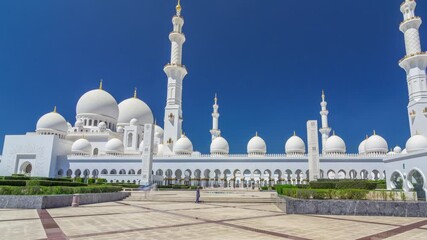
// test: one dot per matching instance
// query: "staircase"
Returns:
(209, 195)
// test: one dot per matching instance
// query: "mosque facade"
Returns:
(108, 138)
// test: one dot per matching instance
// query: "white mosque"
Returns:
(108, 139)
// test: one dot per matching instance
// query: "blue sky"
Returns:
(267, 60)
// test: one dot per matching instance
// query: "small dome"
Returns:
(416, 143)
(335, 144)
(158, 132)
(391, 153)
(120, 129)
(183, 146)
(160, 150)
(102, 126)
(257, 146)
(81, 146)
(79, 123)
(134, 122)
(98, 102)
(397, 149)
(114, 146)
(52, 121)
(141, 146)
(404, 151)
(220, 146)
(294, 145)
(134, 108)
(376, 144)
(362, 149)
(69, 125)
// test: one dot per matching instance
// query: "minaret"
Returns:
(215, 132)
(414, 64)
(325, 130)
(175, 72)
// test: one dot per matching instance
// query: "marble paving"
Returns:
(179, 220)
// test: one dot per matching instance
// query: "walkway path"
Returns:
(177, 220)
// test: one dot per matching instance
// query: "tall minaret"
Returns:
(215, 132)
(325, 130)
(414, 64)
(175, 72)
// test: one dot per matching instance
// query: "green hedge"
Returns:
(57, 190)
(46, 183)
(323, 185)
(125, 185)
(12, 183)
(36, 178)
(344, 184)
(355, 194)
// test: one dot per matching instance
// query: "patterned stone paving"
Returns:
(154, 220)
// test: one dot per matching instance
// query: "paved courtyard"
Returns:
(175, 220)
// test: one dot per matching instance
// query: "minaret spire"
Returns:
(215, 132)
(325, 130)
(175, 72)
(414, 64)
(135, 93)
(178, 8)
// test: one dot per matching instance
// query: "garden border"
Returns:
(57, 201)
(352, 207)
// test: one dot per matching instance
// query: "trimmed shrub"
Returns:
(53, 183)
(57, 190)
(101, 180)
(381, 186)
(323, 185)
(355, 194)
(12, 183)
(356, 185)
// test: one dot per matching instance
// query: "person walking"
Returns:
(198, 195)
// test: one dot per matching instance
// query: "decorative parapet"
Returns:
(412, 55)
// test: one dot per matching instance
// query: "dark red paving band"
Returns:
(51, 228)
(396, 231)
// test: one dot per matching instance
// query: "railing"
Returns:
(412, 55)
(232, 156)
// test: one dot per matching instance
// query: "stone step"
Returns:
(206, 196)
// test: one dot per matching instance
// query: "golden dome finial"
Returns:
(135, 93)
(256, 133)
(295, 133)
(54, 109)
(216, 98)
(323, 95)
(178, 8)
(333, 133)
(100, 84)
(375, 132)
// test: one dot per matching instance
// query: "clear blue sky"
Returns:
(268, 61)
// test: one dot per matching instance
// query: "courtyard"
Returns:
(186, 220)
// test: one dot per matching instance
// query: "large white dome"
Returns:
(416, 143)
(257, 146)
(114, 146)
(81, 146)
(220, 146)
(52, 121)
(335, 144)
(376, 144)
(134, 108)
(294, 145)
(183, 146)
(98, 102)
